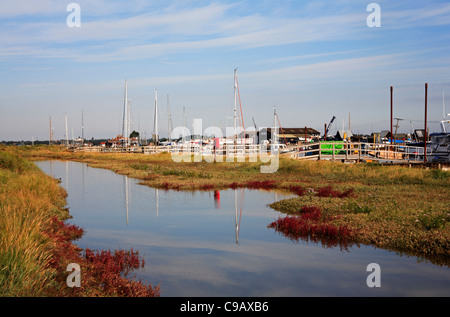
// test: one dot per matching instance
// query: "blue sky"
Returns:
(311, 59)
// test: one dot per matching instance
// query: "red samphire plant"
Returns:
(310, 224)
(328, 191)
(103, 273)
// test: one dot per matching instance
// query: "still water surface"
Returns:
(218, 244)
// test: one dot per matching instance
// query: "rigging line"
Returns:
(240, 105)
(421, 120)
(276, 113)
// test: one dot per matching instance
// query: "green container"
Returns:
(327, 147)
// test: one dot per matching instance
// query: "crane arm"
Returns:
(330, 124)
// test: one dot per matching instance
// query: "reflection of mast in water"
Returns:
(157, 201)
(237, 221)
(82, 181)
(67, 175)
(126, 196)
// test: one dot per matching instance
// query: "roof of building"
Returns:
(342, 133)
(295, 131)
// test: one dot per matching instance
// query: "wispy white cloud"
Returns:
(343, 69)
(293, 47)
(23, 8)
(357, 69)
(309, 56)
(426, 15)
(139, 27)
(172, 30)
(138, 36)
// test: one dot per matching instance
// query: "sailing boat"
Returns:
(238, 130)
(276, 146)
(438, 149)
(169, 122)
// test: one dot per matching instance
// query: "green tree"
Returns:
(134, 134)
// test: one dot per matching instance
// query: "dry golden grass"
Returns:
(28, 199)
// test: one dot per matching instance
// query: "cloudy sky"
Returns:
(311, 59)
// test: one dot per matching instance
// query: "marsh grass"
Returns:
(434, 220)
(28, 199)
(36, 242)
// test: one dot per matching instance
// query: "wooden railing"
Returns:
(359, 151)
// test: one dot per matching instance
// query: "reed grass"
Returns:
(28, 199)
(36, 242)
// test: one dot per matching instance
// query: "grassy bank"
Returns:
(391, 207)
(36, 242)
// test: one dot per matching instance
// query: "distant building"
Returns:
(291, 135)
(343, 135)
(380, 137)
(385, 136)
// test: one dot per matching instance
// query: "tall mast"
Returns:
(184, 122)
(125, 115)
(235, 105)
(67, 133)
(169, 127)
(139, 128)
(349, 127)
(241, 119)
(443, 106)
(275, 131)
(236, 217)
(155, 119)
(50, 131)
(444, 115)
(82, 125)
(129, 123)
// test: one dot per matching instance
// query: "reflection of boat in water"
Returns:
(217, 199)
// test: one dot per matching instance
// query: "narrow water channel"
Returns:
(218, 244)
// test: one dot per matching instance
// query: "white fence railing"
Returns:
(359, 151)
(312, 151)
